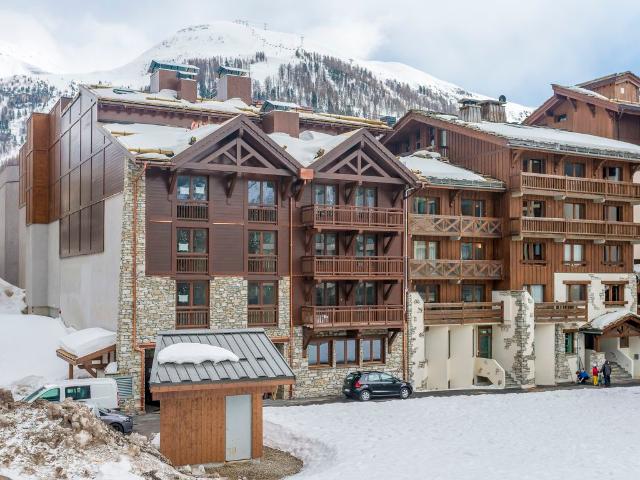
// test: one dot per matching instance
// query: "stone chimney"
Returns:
(173, 76)
(470, 110)
(234, 83)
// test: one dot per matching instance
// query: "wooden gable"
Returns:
(627, 326)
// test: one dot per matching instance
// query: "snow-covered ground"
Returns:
(569, 434)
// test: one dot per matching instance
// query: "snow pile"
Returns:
(310, 145)
(65, 440)
(195, 353)
(12, 298)
(111, 368)
(86, 341)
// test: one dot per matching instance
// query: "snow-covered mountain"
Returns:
(283, 66)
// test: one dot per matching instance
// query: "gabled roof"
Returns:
(259, 360)
(611, 78)
(613, 320)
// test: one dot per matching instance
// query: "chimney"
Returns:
(280, 117)
(234, 83)
(173, 76)
(470, 110)
(493, 111)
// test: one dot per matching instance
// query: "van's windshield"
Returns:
(33, 395)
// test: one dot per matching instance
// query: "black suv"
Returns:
(366, 385)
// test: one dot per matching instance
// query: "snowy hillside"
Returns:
(283, 66)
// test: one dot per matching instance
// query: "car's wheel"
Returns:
(117, 427)
(365, 396)
(404, 393)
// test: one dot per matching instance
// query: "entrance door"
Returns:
(484, 342)
(238, 427)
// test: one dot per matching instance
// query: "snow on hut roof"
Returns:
(603, 321)
(180, 67)
(548, 139)
(310, 145)
(345, 119)
(430, 168)
(88, 340)
(157, 142)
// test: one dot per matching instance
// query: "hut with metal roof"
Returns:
(210, 385)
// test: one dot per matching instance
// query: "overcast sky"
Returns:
(511, 47)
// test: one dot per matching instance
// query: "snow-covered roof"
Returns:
(89, 340)
(195, 353)
(548, 139)
(343, 119)
(277, 103)
(310, 145)
(585, 91)
(430, 168)
(603, 321)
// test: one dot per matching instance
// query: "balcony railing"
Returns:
(192, 263)
(461, 313)
(553, 312)
(192, 317)
(557, 185)
(263, 213)
(263, 263)
(262, 316)
(349, 217)
(455, 269)
(454, 226)
(577, 229)
(329, 267)
(198, 211)
(353, 316)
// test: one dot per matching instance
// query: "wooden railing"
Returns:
(351, 217)
(263, 213)
(454, 226)
(353, 316)
(551, 312)
(262, 316)
(560, 227)
(455, 269)
(556, 185)
(460, 313)
(192, 211)
(192, 317)
(263, 263)
(353, 267)
(192, 263)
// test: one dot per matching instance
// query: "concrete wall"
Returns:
(461, 371)
(545, 348)
(436, 348)
(9, 224)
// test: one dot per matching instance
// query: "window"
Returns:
(424, 250)
(346, 351)
(574, 211)
(319, 353)
(430, 292)
(191, 240)
(372, 350)
(326, 244)
(576, 292)
(261, 192)
(612, 254)
(366, 197)
(472, 293)
(82, 392)
(472, 251)
(533, 165)
(262, 293)
(366, 293)
(52, 395)
(324, 194)
(536, 292)
(192, 187)
(613, 213)
(574, 169)
(532, 208)
(192, 294)
(262, 243)
(624, 342)
(473, 208)
(614, 294)
(569, 342)
(612, 173)
(425, 205)
(533, 252)
(418, 144)
(573, 253)
(366, 245)
(561, 118)
(431, 132)
(326, 294)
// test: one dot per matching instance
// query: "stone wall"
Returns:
(566, 363)
(228, 302)
(416, 355)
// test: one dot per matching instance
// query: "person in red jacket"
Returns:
(594, 373)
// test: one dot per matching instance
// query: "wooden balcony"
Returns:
(558, 312)
(192, 263)
(463, 313)
(262, 316)
(198, 211)
(349, 217)
(340, 267)
(454, 226)
(263, 213)
(262, 264)
(455, 269)
(353, 317)
(561, 187)
(192, 317)
(560, 229)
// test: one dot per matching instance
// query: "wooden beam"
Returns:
(172, 183)
(592, 109)
(230, 183)
(452, 196)
(516, 157)
(573, 103)
(285, 185)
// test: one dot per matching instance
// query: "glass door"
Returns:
(484, 342)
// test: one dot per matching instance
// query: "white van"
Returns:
(102, 392)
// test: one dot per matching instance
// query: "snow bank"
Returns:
(195, 353)
(11, 298)
(88, 340)
(310, 145)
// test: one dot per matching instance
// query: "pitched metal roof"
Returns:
(260, 360)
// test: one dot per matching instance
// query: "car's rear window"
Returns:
(351, 377)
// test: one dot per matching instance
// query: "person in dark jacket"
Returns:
(606, 373)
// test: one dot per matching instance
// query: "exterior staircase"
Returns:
(619, 374)
(511, 382)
